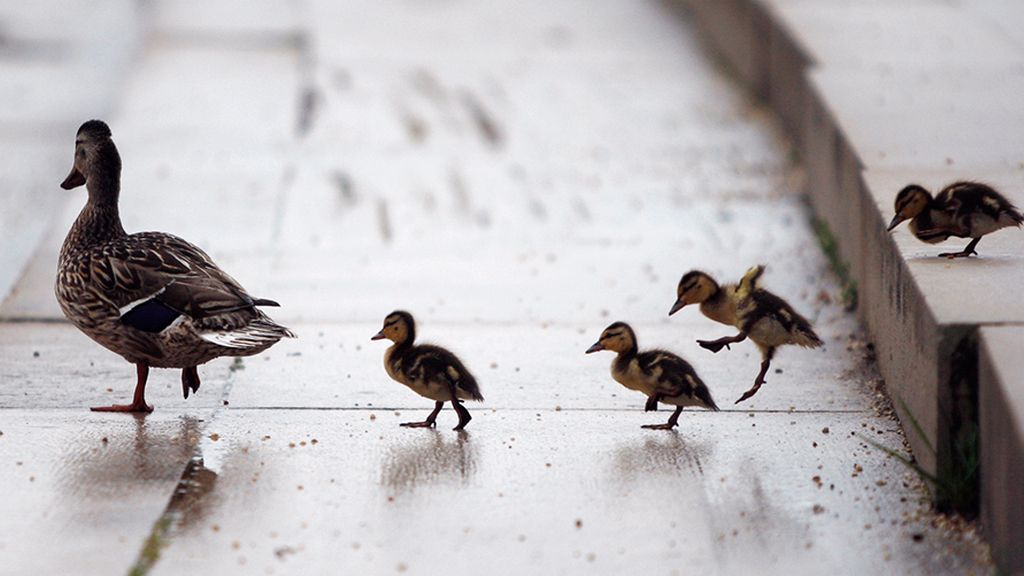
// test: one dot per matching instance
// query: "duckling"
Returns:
(962, 209)
(153, 298)
(658, 374)
(767, 319)
(430, 371)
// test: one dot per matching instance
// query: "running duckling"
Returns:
(150, 297)
(658, 374)
(962, 209)
(430, 371)
(767, 319)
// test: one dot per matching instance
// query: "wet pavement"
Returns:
(518, 181)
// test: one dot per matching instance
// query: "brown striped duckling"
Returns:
(151, 297)
(658, 374)
(962, 209)
(764, 317)
(430, 371)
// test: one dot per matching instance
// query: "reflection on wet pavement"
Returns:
(431, 457)
(669, 453)
(136, 449)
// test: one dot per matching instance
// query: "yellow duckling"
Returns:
(430, 371)
(962, 209)
(660, 375)
(767, 319)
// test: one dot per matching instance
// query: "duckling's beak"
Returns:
(378, 336)
(895, 222)
(74, 179)
(677, 307)
(597, 347)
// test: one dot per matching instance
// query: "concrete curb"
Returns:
(859, 90)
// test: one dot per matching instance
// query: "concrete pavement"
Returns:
(518, 180)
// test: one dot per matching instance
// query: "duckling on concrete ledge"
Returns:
(430, 371)
(151, 297)
(660, 375)
(767, 319)
(962, 209)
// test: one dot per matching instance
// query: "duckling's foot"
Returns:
(464, 416)
(652, 404)
(749, 393)
(765, 364)
(961, 254)
(429, 422)
(966, 252)
(716, 345)
(424, 424)
(673, 421)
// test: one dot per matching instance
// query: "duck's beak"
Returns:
(74, 179)
(895, 222)
(378, 336)
(677, 307)
(597, 347)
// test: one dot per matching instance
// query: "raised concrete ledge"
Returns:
(876, 95)
(1002, 412)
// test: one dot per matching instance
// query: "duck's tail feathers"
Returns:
(265, 302)
(750, 280)
(260, 333)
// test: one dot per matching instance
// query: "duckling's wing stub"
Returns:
(767, 306)
(749, 283)
(977, 209)
(439, 365)
(675, 377)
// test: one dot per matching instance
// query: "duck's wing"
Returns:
(435, 364)
(154, 279)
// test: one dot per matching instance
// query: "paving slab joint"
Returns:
(958, 449)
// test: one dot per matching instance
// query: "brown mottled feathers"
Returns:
(677, 378)
(429, 363)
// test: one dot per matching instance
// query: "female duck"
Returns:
(767, 319)
(962, 209)
(660, 375)
(151, 297)
(430, 371)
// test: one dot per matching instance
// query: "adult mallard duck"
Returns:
(962, 209)
(430, 371)
(764, 317)
(151, 297)
(658, 374)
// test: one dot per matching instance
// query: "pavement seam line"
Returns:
(163, 529)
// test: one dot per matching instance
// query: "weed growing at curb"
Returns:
(954, 487)
(150, 552)
(830, 246)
